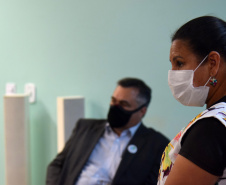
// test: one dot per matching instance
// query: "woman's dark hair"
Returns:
(144, 90)
(204, 34)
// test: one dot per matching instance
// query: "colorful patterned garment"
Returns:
(171, 151)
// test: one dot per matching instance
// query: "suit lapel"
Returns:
(92, 140)
(80, 158)
(138, 140)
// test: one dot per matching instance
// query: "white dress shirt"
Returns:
(104, 160)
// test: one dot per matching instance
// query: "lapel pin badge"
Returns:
(132, 149)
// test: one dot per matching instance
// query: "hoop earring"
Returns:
(213, 81)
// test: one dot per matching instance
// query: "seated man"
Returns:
(116, 151)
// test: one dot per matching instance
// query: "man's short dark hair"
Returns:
(144, 90)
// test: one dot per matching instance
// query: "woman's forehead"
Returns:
(180, 48)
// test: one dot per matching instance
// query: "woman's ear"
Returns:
(214, 62)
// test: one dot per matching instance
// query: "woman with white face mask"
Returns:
(197, 155)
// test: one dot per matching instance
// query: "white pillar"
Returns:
(16, 123)
(69, 110)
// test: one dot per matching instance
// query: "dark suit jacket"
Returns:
(135, 169)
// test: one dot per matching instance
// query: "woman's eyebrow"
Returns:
(176, 57)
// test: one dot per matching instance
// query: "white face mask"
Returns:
(181, 85)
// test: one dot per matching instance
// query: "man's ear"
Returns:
(214, 62)
(143, 111)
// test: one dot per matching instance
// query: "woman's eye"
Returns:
(180, 64)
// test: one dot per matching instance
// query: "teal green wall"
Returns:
(80, 47)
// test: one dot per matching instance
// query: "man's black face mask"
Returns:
(119, 117)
